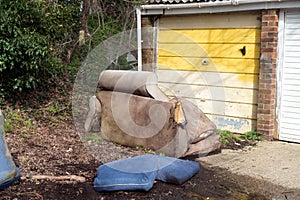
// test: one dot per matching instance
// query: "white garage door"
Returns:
(289, 82)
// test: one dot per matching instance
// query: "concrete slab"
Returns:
(277, 162)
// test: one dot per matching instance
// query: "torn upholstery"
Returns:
(135, 112)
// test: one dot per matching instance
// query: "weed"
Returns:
(150, 151)
(37, 114)
(226, 136)
(192, 183)
(252, 135)
(95, 138)
(28, 125)
(53, 109)
(138, 147)
(162, 154)
(13, 120)
(62, 117)
(24, 160)
(54, 121)
(25, 136)
(8, 126)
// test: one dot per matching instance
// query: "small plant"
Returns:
(95, 138)
(150, 151)
(252, 135)
(54, 121)
(227, 136)
(8, 126)
(237, 141)
(13, 120)
(37, 114)
(25, 136)
(28, 125)
(192, 183)
(138, 147)
(53, 109)
(17, 121)
(162, 154)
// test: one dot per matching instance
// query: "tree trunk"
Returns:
(86, 5)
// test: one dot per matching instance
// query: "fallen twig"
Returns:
(80, 179)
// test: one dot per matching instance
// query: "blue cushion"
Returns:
(139, 173)
(9, 173)
(178, 171)
(11, 180)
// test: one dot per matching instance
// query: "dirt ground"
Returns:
(54, 148)
(57, 150)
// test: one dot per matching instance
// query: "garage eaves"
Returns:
(176, 7)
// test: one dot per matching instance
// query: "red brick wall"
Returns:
(266, 113)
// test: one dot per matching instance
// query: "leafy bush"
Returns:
(32, 36)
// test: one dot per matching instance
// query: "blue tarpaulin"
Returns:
(139, 173)
(9, 173)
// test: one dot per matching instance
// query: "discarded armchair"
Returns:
(135, 112)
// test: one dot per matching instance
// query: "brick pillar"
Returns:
(266, 114)
(147, 44)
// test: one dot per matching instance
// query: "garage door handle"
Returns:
(243, 50)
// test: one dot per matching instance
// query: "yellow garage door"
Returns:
(213, 60)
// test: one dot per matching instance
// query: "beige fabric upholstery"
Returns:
(135, 112)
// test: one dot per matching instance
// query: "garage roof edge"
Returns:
(209, 6)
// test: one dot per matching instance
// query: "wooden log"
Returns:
(75, 178)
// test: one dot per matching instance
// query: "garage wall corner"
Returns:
(266, 111)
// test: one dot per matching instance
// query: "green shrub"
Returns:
(32, 34)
